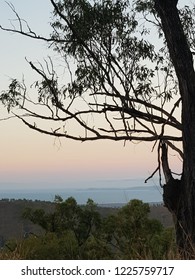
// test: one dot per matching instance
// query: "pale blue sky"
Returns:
(29, 156)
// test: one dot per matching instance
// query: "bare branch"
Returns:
(110, 85)
(27, 33)
(152, 175)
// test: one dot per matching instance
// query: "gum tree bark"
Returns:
(180, 195)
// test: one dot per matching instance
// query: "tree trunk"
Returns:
(182, 192)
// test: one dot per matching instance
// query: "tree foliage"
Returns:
(121, 83)
(80, 232)
(118, 76)
(68, 216)
(135, 236)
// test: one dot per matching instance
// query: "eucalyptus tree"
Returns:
(121, 85)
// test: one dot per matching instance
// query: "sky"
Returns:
(27, 156)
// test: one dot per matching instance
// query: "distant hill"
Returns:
(12, 225)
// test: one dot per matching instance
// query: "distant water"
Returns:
(102, 192)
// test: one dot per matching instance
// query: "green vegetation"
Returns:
(131, 78)
(74, 232)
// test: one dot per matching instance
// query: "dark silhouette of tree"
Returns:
(122, 86)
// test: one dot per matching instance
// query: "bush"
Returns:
(79, 232)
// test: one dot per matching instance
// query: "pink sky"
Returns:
(27, 155)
